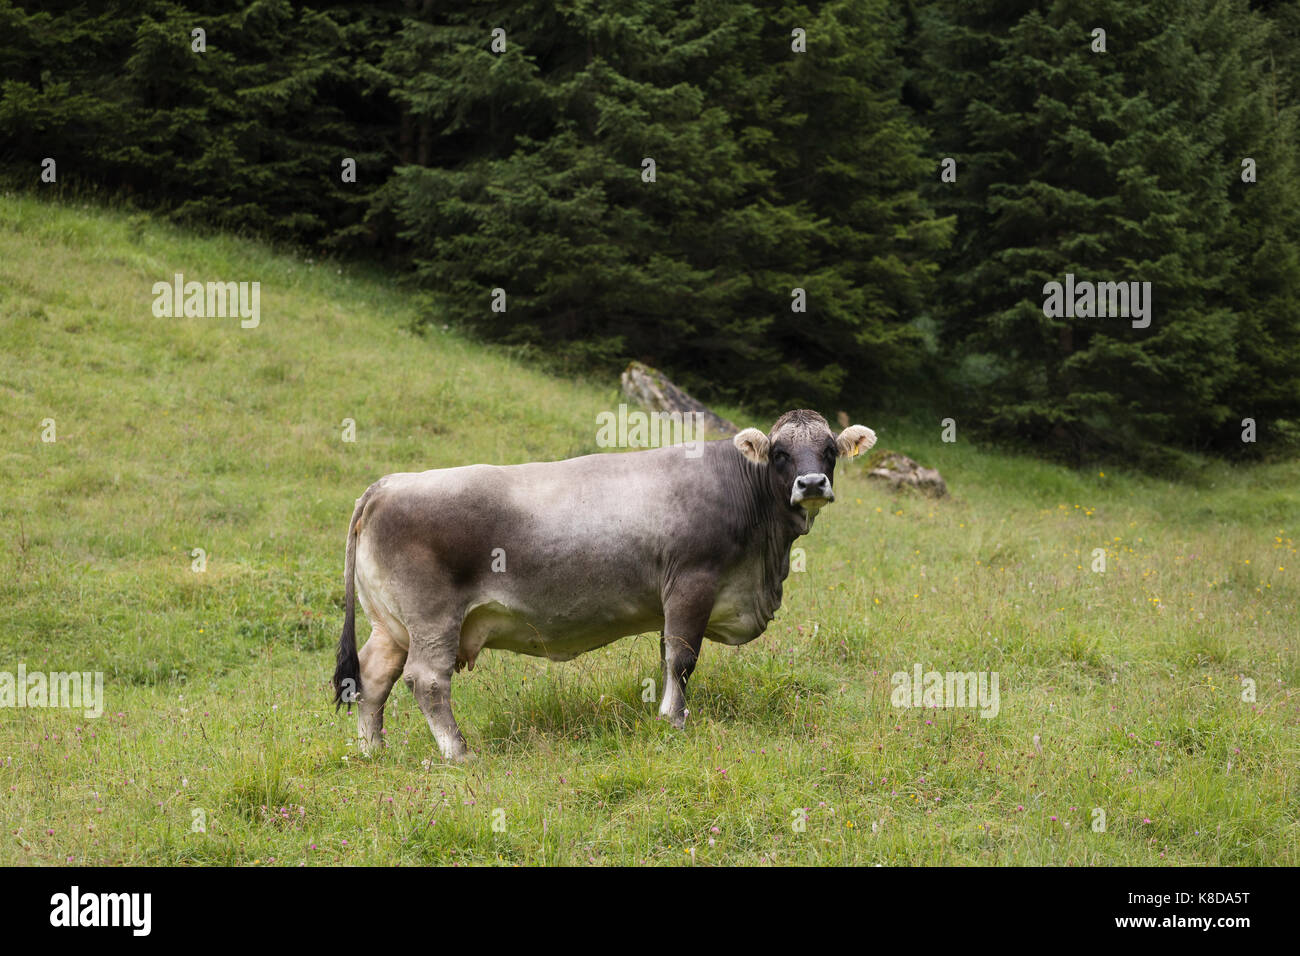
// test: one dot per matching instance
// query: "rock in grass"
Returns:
(902, 472)
(650, 388)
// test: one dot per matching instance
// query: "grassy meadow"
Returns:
(1120, 691)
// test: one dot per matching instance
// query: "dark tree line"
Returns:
(519, 160)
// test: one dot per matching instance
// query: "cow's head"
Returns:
(799, 456)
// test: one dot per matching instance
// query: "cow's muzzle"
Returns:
(812, 491)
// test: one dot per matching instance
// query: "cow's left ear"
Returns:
(752, 444)
(854, 440)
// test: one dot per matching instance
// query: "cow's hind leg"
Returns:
(429, 666)
(382, 660)
(686, 615)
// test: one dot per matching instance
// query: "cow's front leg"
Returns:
(678, 656)
(686, 615)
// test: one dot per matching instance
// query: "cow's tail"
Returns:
(347, 669)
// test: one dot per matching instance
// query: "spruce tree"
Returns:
(248, 133)
(1113, 166)
(773, 171)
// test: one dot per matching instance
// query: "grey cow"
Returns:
(557, 558)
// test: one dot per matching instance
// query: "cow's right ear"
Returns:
(753, 445)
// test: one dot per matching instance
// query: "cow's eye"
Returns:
(780, 457)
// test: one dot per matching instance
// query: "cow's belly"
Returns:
(550, 622)
(551, 634)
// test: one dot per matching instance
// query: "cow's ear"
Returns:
(753, 445)
(854, 440)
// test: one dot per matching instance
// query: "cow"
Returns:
(557, 558)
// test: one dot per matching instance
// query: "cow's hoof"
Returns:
(678, 721)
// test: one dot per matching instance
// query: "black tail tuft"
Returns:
(347, 672)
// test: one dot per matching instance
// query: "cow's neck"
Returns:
(771, 527)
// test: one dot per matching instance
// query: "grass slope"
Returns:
(1120, 692)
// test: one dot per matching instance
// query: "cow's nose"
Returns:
(812, 485)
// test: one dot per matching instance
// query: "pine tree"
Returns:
(1113, 166)
(247, 134)
(773, 171)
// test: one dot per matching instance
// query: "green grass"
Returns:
(194, 433)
